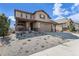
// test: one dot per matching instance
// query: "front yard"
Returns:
(31, 43)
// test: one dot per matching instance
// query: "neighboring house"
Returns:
(62, 24)
(76, 25)
(37, 21)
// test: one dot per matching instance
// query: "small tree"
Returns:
(71, 26)
(4, 25)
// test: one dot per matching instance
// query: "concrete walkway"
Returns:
(66, 49)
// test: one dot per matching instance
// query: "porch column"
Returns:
(27, 26)
(38, 26)
(53, 28)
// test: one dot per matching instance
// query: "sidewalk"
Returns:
(67, 49)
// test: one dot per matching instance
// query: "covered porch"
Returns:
(26, 26)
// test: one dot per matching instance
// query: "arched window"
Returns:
(42, 16)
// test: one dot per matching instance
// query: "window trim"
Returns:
(26, 16)
(21, 15)
(42, 17)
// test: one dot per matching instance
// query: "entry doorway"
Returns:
(53, 28)
(31, 25)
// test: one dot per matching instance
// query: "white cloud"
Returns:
(75, 17)
(75, 8)
(66, 12)
(58, 10)
(12, 18)
(72, 8)
(57, 5)
(76, 4)
(61, 12)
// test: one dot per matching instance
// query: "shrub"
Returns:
(71, 27)
(29, 40)
(42, 46)
(4, 25)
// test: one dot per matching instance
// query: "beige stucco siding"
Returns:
(58, 28)
(53, 28)
(37, 16)
(27, 25)
(38, 21)
(24, 15)
(43, 26)
(76, 26)
(28, 16)
(17, 14)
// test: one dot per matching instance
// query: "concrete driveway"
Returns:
(66, 49)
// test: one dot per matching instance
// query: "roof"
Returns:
(61, 20)
(23, 11)
(34, 12)
(49, 21)
(64, 20)
(42, 11)
(22, 19)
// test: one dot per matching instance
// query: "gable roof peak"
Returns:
(42, 11)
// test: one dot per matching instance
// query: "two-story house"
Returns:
(37, 21)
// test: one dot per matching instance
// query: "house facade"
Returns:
(37, 21)
(76, 25)
(62, 24)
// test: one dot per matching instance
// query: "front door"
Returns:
(31, 25)
(53, 28)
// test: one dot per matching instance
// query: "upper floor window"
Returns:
(26, 15)
(30, 16)
(42, 16)
(21, 15)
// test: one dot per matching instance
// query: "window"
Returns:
(21, 15)
(18, 14)
(31, 16)
(26, 15)
(42, 16)
(64, 26)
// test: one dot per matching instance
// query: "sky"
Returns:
(55, 10)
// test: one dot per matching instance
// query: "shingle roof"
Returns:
(42, 11)
(61, 20)
(23, 11)
(33, 13)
